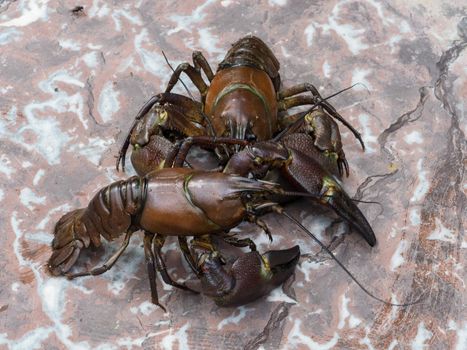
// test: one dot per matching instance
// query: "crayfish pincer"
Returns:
(251, 276)
(176, 202)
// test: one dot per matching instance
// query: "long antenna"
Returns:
(291, 218)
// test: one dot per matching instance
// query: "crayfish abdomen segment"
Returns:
(110, 213)
(169, 210)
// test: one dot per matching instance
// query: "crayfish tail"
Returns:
(64, 258)
(108, 214)
(70, 236)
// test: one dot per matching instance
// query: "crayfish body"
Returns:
(177, 202)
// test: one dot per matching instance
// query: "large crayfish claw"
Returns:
(308, 175)
(70, 236)
(307, 170)
(334, 196)
(250, 277)
(164, 119)
(151, 156)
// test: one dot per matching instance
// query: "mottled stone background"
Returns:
(70, 85)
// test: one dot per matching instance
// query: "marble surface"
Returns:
(70, 84)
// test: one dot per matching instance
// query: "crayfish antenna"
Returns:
(280, 210)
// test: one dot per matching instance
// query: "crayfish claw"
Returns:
(309, 175)
(346, 166)
(335, 197)
(250, 277)
(343, 165)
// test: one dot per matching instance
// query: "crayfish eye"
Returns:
(250, 137)
(247, 196)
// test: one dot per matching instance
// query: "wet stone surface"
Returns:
(71, 83)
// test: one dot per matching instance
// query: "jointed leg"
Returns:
(200, 62)
(240, 242)
(151, 267)
(159, 241)
(257, 221)
(203, 242)
(194, 75)
(108, 264)
(188, 256)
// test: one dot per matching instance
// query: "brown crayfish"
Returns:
(241, 116)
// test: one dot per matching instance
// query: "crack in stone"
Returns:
(444, 197)
(6, 4)
(275, 323)
(408, 117)
(90, 101)
(102, 57)
(440, 195)
(366, 183)
(275, 326)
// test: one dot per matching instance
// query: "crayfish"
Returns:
(178, 202)
(265, 157)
